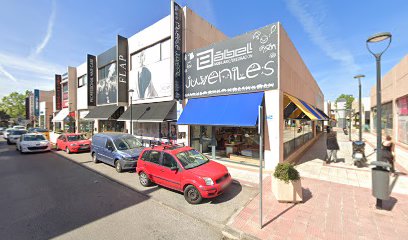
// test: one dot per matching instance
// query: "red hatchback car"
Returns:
(73, 142)
(183, 169)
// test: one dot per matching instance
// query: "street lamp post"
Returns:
(360, 133)
(131, 91)
(379, 37)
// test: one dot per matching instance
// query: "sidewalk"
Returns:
(337, 202)
(330, 211)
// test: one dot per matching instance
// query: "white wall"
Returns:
(82, 93)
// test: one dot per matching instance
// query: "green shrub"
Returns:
(286, 172)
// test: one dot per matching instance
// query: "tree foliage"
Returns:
(14, 104)
(349, 100)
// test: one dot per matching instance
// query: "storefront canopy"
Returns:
(61, 115)
(239, 110)
(151, 112)
(326, 118)
(302, 110)
(102, 112)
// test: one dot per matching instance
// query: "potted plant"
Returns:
(286, 185)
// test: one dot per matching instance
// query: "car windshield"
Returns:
(127, 143)
(18, 132)
(74, 138)
(192, 158)
(34, 138)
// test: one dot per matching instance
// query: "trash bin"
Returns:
(381, 180)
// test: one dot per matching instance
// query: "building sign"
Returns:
(177, 28)
(27, 107)
(91, 74)
(36, 102)
(58, 92)
(65, 96)
(123, 73)
(247, 63)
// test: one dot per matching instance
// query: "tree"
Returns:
(349, 100)
(14, 104)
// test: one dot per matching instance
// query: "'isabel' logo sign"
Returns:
(247, 63)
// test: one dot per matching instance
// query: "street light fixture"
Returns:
(131, 91)
(360, 117)
(379, 37)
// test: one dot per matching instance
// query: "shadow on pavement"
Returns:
(44, 198)
(232, 191)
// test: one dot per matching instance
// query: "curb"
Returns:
(233, 234)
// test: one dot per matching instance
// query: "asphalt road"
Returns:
(215, 211)
(45, 196)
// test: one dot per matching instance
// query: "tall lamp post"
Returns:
(131, 91)
(360, 133)
(379, 37)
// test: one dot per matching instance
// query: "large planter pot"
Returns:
(287, 192)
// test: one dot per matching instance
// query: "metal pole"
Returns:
(379, 126)
(260, 131)
(131, 115)
(350, 116)
(360, 115)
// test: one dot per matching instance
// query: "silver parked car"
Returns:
(14, 136)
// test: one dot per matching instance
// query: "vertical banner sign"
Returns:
(27, 107)
(122, 59)
(58, 92)
(36, 102)
(91, 74)
(177, 41)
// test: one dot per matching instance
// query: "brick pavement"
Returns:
(337, 203)
(330, 211)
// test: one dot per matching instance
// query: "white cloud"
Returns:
(7, 74)
(48, 34)
(312, 23)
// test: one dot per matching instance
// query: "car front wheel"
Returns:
(144, 179)
(67, 150)
(118, 166)
(192, 195)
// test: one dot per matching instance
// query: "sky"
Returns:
(41, 38)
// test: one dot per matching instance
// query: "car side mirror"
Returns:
(174, 168)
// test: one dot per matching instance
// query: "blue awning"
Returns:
(233, 110)
(311, 109)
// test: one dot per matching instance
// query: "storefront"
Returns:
(153, 122)
(402, 105)
(104, 119)
(226, 85)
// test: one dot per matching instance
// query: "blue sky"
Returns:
(40, 38)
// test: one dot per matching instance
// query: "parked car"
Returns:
(19, 127)
(73, 142)
(183, 169)
(117, 149)
(14, 135)
(33, 142)
(44, 131)
(6, 132)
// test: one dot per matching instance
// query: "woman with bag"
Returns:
(388, 153)
(332, 146)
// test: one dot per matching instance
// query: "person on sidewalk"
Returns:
(332, 146)
(388, 153)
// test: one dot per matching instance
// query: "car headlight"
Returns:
(208, 181)
(73, 145)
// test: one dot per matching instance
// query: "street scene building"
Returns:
(213, 120)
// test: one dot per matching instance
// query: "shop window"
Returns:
(295, 134)
(82, 81)
(402, 105)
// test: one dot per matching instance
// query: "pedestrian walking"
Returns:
(332, 146)
(388, 153)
